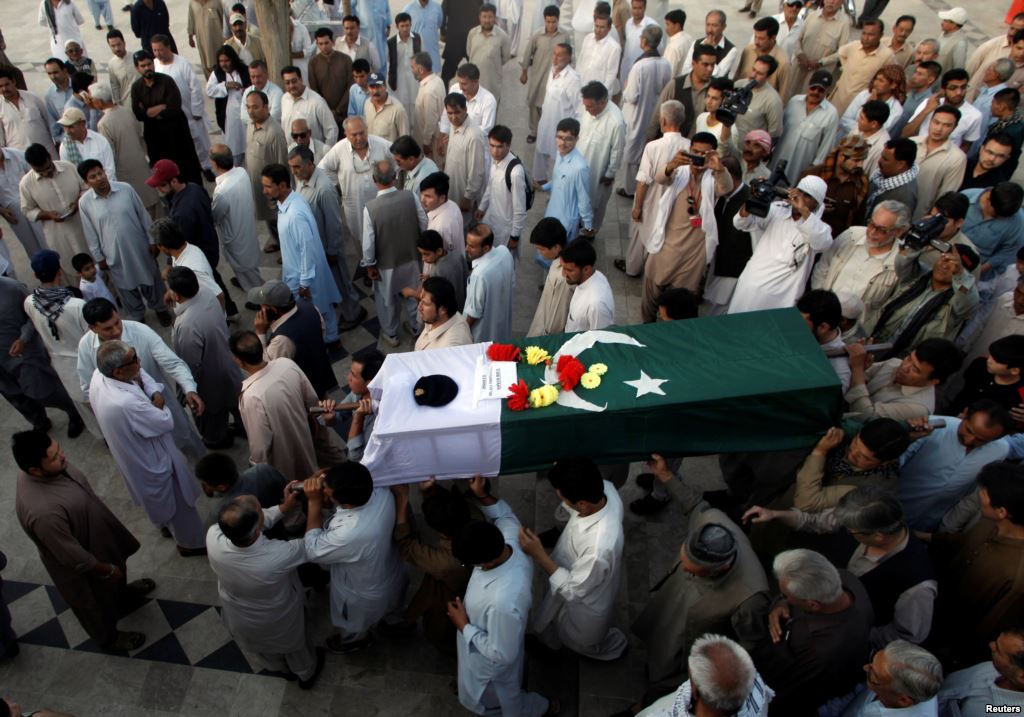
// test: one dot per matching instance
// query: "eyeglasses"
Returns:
(130, 362)
(299, 135)
(880, 229)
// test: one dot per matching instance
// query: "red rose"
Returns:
(503, 352)
(569, 372)
(519, 396)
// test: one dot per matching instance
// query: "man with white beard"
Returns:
(649, 74)
(193, 98)
(262, 598)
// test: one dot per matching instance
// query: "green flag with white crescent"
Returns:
(748, 382)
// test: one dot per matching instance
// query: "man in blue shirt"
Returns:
(358, 92)
(995, 225)
(57, 96)
(940, 468)
(427, 20)
(570, 198)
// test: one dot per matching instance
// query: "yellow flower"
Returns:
(590, 380)
(598, 368)
(536, 355)
(543, 396)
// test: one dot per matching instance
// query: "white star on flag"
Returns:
(645, 384)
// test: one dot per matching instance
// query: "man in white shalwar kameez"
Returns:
(657, 153)
(584, 569)
(234, 216)
(679, 45)
(491, 621)
(261, 597)
(157, 360)
(633, 29)
(138, 425)
(349, 164)
(12, 168)
(598, 58)
(577, 20)
(602, 137)
(649, 74)
(561, 100)
(792, 234)
(193, 98)
(368, 577)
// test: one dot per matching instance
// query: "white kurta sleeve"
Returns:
(498, 639)
(581, 578)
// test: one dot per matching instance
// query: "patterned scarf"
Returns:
(49, 301)
(999, 125)
(72, 154)
(880, 184)
(837, 466)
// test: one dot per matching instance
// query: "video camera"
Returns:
(765, 191)
(735, 103)
(925, 232)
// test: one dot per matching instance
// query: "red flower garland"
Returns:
(519, 396)
(503, 352)
(569, 371)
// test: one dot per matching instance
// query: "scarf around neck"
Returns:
(50, 301)
(880, 184)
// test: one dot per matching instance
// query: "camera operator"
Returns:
(929, 304)
(793, 232)
(765, 109)
(953, 206)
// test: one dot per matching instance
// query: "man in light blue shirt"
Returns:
(995, 225)
(902, 679)
(427, 20)
(358, 92)
(491, 285)
(304, 265)
(57, 95)
(940, 468)
(570, 196)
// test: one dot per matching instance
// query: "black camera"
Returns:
(765, 191)
(697, 160)
(925, 232)
(735, 103)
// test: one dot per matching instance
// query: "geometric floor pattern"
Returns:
(180, 633)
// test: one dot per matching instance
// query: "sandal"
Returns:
(531, 138)
(271, 248)
(141, 587)
(126, 642)
(622, 193)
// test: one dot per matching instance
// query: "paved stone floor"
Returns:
(189, 665)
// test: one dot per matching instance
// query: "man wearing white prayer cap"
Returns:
(792, 234)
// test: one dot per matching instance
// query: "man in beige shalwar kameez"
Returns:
(536, 63)
(489, 48)
(206, 31)
(265, 144)
(49, 192)
(122, 130)
(823, 33)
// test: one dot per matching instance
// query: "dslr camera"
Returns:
(925, 232)
(736, 103)
(765, 191)
(697, 160)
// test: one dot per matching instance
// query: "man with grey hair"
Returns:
(259, 588)
(999, 681)
(234, 215)
(902, 679)
(862, 260)
(124, 134)
(647, 76)
(818, 630)
(393, 264)
(302, 136)
(316, 188)
(132, 412)
(723, 683)
(717, 586)
(649, 191)
(984, 85)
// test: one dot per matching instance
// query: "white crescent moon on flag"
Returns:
(574, 347)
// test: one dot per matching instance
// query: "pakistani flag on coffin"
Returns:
(745, 382)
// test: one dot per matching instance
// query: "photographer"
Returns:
(793, 233)
(764, 109)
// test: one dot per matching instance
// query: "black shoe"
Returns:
(398, 629)
(648, 505)
(143, 586)
(99, 27)
(335, 645)
(538, 650)
(165, 318)
(75, 428)
(236, 282)
(321, 656)
(165, 533)
(125, 641)
(126, 8)
(209, 176)
(354, 323)
(646, 481)
(222, 444)
(549, 537)
(45, 426)
(191, 552)
(110, 27)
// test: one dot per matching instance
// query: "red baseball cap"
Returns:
(163, 172)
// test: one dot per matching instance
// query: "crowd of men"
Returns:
(829, 163)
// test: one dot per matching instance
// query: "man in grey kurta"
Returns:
(117, 229)
(200, 338)
(12, 169)
(27, 380)
(234, 215)
(489, 48)
(536, 63)
(81, 543)
(122, 130)
(265, 144)
(317, 189)
(49, 192)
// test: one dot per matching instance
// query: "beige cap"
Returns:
(72, 115)
(237, 17)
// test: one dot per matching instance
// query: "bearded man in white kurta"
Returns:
(259, 586)
(602, 137)
(792, 234)
(561, 100)
(584, 569)
(650, 73)
(368, 576)
(132, 412)
(193, 96)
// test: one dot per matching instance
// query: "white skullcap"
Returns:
(852, 305)
(814, 187)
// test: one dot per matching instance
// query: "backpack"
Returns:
(516, 162)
